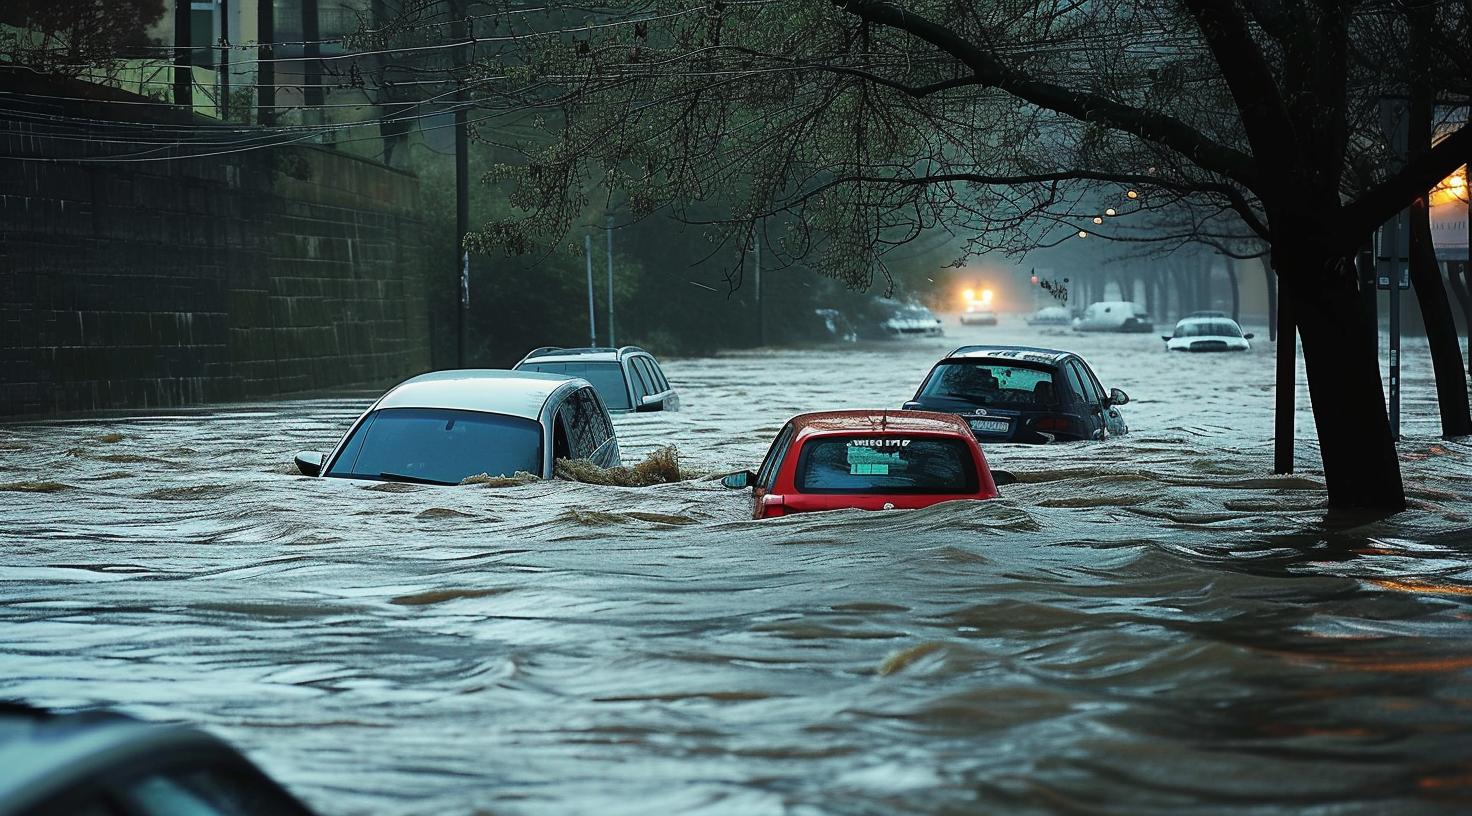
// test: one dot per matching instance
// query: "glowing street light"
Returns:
(1132, 195)
(1082, 234)
(1109, 211)
(1098, 220)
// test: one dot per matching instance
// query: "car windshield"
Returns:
(914, 313)
(607, 378)
(439, 446)
(1208, 328)
(983, 382)
(886, 464)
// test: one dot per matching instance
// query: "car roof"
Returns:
(1029, 354)
(1205, 318)
(878, 421)
(558, 354)
(495, 391)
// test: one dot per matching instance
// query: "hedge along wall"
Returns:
(166, 283)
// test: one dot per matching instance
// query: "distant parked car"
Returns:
(832, 325)
(1050, 316)
(912, 320)
(1209, 333)
(443, 427)
(98, 764)
(627, 378)
(1115, 316)
(868, 460)
(1022, 394)
(976, 314)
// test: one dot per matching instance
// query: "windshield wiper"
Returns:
(399, 477)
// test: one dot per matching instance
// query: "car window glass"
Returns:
(580, 417)
(607, 376)
(641, 388)
(212, 792)
(1092, 389)
(440, 446)
(1081, 392)
(641, 365)
(977, 382)
(767, 476)
(886, 464)
(659, 378)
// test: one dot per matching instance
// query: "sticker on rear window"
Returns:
(872, 457)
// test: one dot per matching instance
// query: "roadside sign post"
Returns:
(1395, 274)
(608, 228)
(592, 325)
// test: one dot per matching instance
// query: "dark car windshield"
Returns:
(439, 446)
(886, 464)
(988, 382)
(607, 378)
(1208, 328)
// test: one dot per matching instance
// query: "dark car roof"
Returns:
(1031, 354)
(878, 421)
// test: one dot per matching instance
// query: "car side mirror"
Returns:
(738, 481)
(1247, 336)
(309, 463)
(912, 406)
(1165, 337)
(1118, 397)
(651, 402)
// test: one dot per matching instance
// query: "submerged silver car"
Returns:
(627, 378)
(446, 426)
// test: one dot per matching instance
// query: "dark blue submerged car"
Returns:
(1022, 394)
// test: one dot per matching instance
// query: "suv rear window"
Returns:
(886, 464)
(607, 377)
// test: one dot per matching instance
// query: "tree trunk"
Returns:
(1361, 468)
(1285, 379)
(1464, 299)
(1441, 327)
(1236, 293)
(1272, 280)
(1436, 312)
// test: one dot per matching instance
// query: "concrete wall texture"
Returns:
(166, 283)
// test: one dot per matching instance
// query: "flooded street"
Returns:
(1152, 624)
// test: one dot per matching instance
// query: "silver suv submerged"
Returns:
(627, 378)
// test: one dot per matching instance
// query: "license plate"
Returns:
(990, 425)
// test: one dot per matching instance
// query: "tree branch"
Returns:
(989, 70)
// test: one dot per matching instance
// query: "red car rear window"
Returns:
(886, 464)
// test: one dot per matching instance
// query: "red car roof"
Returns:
(878, 421)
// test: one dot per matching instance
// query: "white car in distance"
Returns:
(1210, 333)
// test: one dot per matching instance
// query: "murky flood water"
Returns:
(1145, 625)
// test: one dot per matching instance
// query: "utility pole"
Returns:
(609, 230)
(761, 317)
(462, 176)
(223, 106)
(592, 325)
(265, 62)
(183, 70)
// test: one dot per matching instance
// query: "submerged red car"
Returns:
(870, 460)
